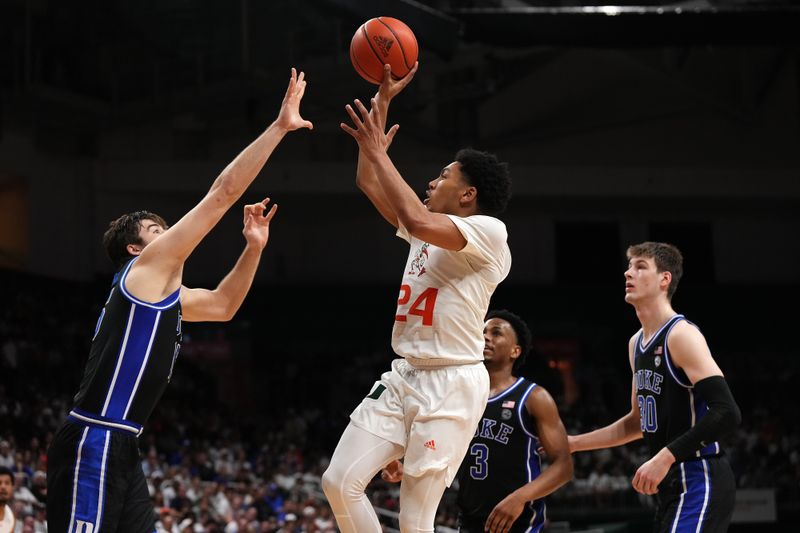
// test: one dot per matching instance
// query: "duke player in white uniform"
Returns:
(427, 407)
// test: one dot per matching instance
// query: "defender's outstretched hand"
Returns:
(256, 225)
(289, 116)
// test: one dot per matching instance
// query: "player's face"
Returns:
(6, 489)
(642, 279)
(149, 231)
(445, 191)
(500, 347)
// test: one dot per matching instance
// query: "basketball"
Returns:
(380, 41)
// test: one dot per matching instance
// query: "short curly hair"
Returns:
(124, 231)
(521, 329)
(489, 176)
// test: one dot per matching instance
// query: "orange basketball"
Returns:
(380, 41)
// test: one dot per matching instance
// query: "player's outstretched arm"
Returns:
(157, 272)
(553, 438)
(689, 351)
(366, 179)
(626, 429)
(221, 304)
(434, 228)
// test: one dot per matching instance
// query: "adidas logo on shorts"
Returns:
(431, 444)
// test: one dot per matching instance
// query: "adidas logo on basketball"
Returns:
(385, 44)
(430, 444)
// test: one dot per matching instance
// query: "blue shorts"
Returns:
(698, 492)
(95, 481)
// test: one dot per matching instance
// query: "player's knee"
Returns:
(411, 521)
(330, 484)
(337, 484)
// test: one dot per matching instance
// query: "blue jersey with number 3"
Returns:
(501, 458)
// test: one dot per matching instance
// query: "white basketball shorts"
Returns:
(431, 412)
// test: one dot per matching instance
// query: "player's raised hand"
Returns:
(256, 224)
(367, 132)
(289, 116)
(391, 87)
(504, 513)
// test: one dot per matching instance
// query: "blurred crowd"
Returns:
(213, 466)
(198, 482)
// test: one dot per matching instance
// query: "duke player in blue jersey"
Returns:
(501, 485)
(680, 403)
(95, 480)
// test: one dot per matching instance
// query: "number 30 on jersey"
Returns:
(423, 304)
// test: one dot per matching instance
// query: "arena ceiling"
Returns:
(101, 64)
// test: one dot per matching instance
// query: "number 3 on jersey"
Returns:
(480, 470)
(423, 304)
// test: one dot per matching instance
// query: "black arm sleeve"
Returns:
(722, 417)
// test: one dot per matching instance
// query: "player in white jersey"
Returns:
(427, 407)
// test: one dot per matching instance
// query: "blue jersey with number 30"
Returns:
(668, 403)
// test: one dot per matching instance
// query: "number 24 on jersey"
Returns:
(423, 304)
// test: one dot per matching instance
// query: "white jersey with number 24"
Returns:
(445, 294)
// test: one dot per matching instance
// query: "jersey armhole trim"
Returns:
(166, 303)
(522, 401)
(672, 369)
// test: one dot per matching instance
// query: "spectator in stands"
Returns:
(7, 520)
(6, 455)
